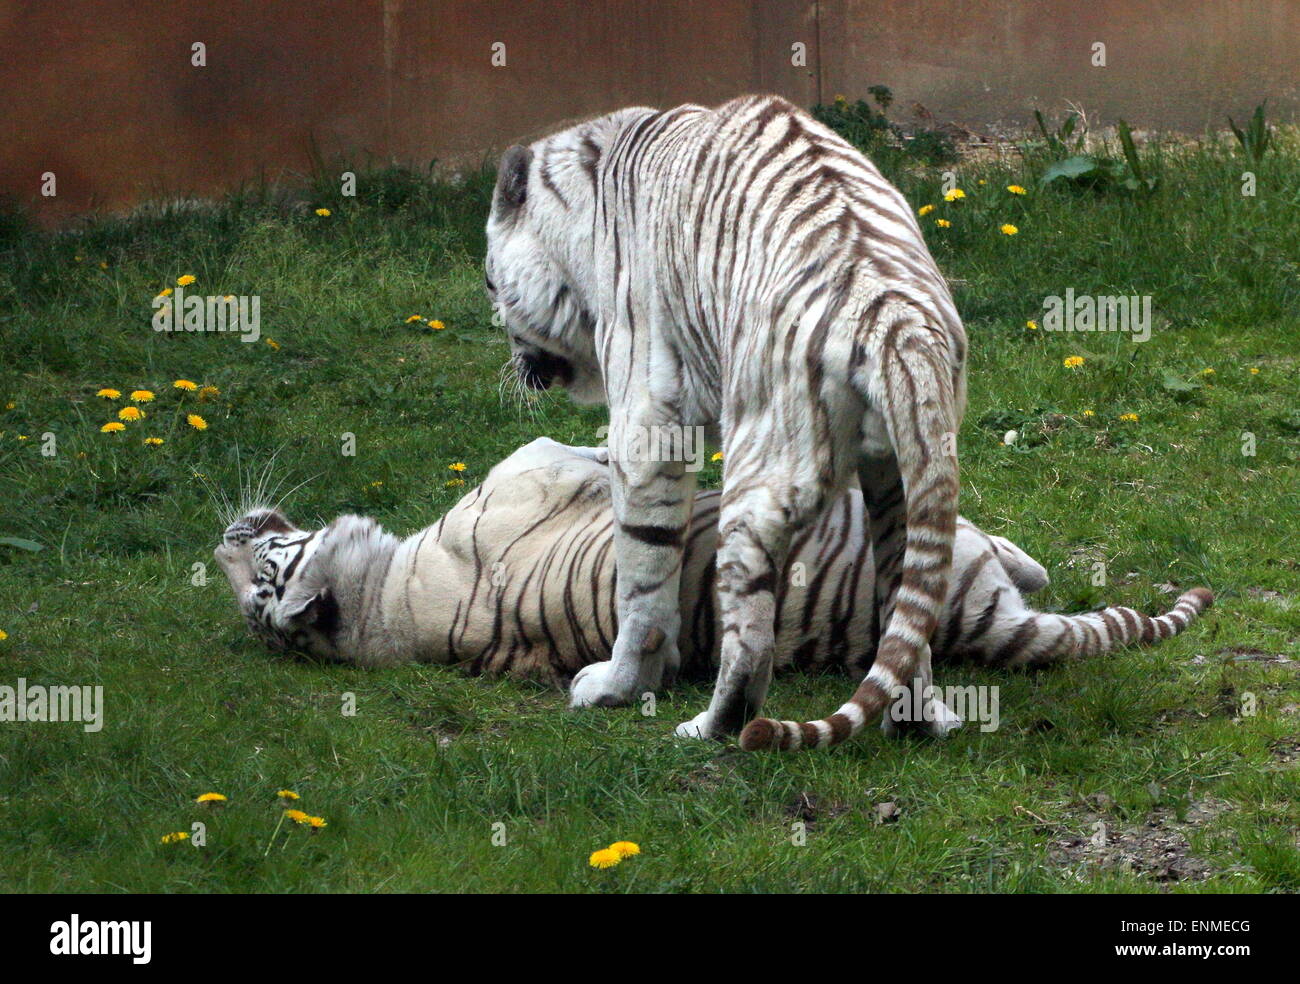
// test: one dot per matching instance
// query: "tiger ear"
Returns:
(512, 177)
(319, 610)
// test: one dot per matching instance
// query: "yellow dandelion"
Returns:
(955, 195)
(316, 823)
(1207, 372)
(1015, 189)
(1090, 413)
(457, 466)
(210, 798)
(437, 325)
(153, 442)
(288, 795)
(141, 396)
(186, 385)
(207, 392)
(415, 317)
(175, 838)
(453, 483)
(103, 265)
(925, 210)
(197, 422)
(1253, 372)
(109, 393)
(324, 213)
(1073, 362)
(717, 456)
(625, 849)
(606, 858)
(186, 280)
(165, 292)
(10, 405)
(840, 99)
(942, 223)
(275, 346)
(3, 635)
(297, 816)
(1129, 418)
(1008, 229)
(130, 413)
(1031, 324)
(77, 259)
(112, 427)
(981, 181)
(22, 437)
(375, 485)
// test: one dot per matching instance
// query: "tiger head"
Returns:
(539, 270)
(269, 563)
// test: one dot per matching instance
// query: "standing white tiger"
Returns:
(745, 267)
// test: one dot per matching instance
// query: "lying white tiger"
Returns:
(518, 578)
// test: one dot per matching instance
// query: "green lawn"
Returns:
(1195, 795)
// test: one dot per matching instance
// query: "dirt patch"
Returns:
(1157, 848)
(1285, 750)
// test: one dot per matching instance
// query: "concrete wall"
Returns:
(104, 94)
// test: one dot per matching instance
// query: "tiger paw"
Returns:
(700, 726)
(937, 720)
(600, 685)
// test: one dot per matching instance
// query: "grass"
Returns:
(421, 782)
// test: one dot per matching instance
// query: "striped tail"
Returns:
(1030, 641)
(1040, 638)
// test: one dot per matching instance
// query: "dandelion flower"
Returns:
(1254, 371)
(1015, 189)
(275, 346)
(109, 393)
(453, 483)
(717, 456)
(165, 292)
(186, 385)
(11, 404)
(175, 838)
(3, 635)
(1090, 413)
(625, 849)
(130, 413)
(1129, 418)
(112, 427)
(840, 99)
(604, 859)
(186, 280)
(22, 437)
(1073, 362)
(1008, 229)
(414, 318)
(210, 798)
(141, 396)
(942, 223)
(954, 195)
(925, 210)
(208, 391)
(288, 795)
(457, 466)
(1032, 325)
(1207, 372)
(197, 422)
(297, 816)
(153, 442)
(316, 823)
(437, 325)
(324, 213)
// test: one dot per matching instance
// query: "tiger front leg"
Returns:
(652, 496)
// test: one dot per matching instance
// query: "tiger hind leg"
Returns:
(915, 392)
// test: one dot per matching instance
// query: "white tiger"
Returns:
(518, 578)
(741, 268)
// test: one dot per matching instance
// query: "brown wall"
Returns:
(103, 93)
